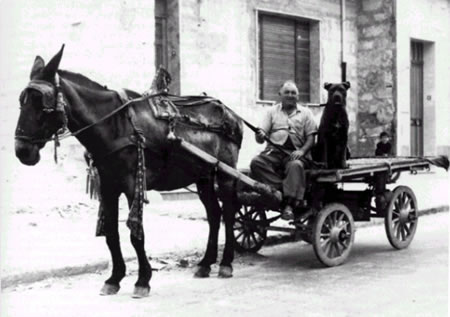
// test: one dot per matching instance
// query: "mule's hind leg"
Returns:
(110, 206)
(229, 209)
(208, 197)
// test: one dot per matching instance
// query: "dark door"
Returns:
(416, 98)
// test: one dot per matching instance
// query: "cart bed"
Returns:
(361, 168)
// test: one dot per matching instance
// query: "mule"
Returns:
(109, 130)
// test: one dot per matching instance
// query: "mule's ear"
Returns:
(327, 85)
(52, 66)
(38, 65)
(346, 84)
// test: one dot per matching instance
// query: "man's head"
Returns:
(289, 94)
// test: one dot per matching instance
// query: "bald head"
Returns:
(288, 85)
(289, 95)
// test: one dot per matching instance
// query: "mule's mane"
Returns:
(81, 79)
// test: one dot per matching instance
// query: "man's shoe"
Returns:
(287, 213)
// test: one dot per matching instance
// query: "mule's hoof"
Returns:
(202, 272)
(225, 271)
(141, 292)
(109, 289)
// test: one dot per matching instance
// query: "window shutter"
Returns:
(284, 55)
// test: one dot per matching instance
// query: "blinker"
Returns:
(48, 94)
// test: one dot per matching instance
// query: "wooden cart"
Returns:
(328, 220)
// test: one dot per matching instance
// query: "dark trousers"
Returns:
(274, 168)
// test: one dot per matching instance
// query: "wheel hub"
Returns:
(335, 234)
(404, 216)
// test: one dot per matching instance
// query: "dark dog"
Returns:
(331, 148)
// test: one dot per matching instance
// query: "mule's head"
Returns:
(41, 115)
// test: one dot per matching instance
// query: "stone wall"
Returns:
(376, 52)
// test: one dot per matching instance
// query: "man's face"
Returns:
(385, 139)
(289, 95)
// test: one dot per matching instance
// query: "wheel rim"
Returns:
(403, 216)
(249, 228)
(335, 234)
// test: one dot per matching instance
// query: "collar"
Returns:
(297, 110)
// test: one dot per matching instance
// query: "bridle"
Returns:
(53, 103)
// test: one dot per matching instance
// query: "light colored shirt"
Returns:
(298, 125)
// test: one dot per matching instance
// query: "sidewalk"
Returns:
(62, 241)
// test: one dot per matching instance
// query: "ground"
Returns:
(283, 280)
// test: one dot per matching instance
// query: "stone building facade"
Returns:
(226, 49)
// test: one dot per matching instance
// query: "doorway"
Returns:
(416, 93)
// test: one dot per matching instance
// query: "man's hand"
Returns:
(296, 155)
(260, 135)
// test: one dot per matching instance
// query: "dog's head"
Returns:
(337, 93)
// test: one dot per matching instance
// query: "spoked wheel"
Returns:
(333, 234)
(401, 217)
(250, 229)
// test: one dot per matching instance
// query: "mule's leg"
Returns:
(142, 285)
(110, 205)
(213, 211)
(230, 207)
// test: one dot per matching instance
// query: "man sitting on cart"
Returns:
(292, 127)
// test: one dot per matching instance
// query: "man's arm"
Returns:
(259, 136)
(265, 127)
(304, 149)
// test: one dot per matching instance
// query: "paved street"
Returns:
(283, 280)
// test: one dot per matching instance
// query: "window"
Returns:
(161, 34)
(284, 53)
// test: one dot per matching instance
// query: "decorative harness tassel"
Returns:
(134, 222)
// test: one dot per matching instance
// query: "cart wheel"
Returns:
(333, 234)
(250, 229)
(401, 217)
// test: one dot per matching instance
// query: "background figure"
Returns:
(384, 147)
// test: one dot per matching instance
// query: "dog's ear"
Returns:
(346, 85)
(327, 86)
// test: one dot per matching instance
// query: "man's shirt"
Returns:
(280, 126)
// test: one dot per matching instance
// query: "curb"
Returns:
(32, 277)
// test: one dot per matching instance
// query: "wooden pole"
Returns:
(270, 194)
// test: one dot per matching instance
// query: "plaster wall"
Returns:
(110, 42)
(427, 21)
(219, 52)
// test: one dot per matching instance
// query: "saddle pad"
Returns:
(201, 112)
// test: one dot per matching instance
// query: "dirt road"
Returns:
(284, 280)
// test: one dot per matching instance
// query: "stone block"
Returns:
(380, 16)
(363, 20)
(373, 31)
(371, 5)
(366, 45)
